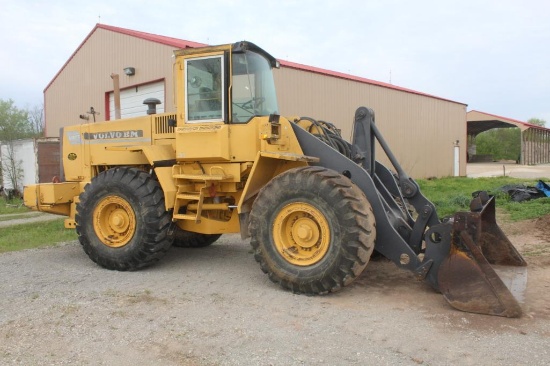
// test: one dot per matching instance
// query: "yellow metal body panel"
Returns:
(76, 165)
(152, 153)
(205, 142)
(278, 137)
(244, 142)
(159, 153)
(212, 226)
(99, 137)
(222, 172)
(51, 197)
(89, 145)
(289, 156)
(264, 169)
(203, 51)
(126, 142)
(166, 180)
(70, 222)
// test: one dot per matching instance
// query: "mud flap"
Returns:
(468, 277)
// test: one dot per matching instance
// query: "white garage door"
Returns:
(131, 100)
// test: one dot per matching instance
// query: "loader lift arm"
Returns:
(455, 257)
(393, 230)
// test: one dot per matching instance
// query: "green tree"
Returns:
(501, 143)
(14, 122)
(537, 121)
(36, 121)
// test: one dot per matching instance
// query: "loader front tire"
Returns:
(188, 239)
(121, 220)
(312, 230)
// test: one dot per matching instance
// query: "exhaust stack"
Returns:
(151, 104)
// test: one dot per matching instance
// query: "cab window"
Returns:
(204, 89)
(252, 88)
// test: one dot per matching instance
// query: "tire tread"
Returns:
(156, 239)
(357, 225)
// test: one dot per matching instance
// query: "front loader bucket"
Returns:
(468, 277)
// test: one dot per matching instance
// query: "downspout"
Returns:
(456, 163)
(116, 94)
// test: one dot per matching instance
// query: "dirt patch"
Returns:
(531, 238)
(542, 225)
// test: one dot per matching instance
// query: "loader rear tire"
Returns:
(121, 220)
(312, 230)
(188, 239)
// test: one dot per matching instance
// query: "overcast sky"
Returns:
(492, 55)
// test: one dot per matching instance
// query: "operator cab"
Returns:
(228, 84)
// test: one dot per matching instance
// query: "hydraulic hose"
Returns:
(329, 134)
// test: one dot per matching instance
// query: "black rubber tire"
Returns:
(188, 239)
(151, 237)
(348, 214)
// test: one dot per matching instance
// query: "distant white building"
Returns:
(30, 160)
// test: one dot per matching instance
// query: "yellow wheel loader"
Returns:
(314, 205)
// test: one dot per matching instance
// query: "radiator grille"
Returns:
(162, 123)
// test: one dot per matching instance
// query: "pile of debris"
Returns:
(520, 192)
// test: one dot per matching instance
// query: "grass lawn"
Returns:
(34, 235)
(14, 206)
(450, 195)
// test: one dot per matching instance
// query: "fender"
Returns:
(267, 165)
(161, 158)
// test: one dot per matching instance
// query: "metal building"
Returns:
(426, 133)
(535, 140)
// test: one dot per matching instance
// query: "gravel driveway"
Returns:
(214, 306)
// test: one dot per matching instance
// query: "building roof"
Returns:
(336, 74)
(181, 43)
(479, 122)
(169, 41)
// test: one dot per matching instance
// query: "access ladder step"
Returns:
(186, 217)
(189, 196)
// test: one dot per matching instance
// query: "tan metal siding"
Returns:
(86, 77)
(420, 130)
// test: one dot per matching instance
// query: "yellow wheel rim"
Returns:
(301, 234)
(114, 221)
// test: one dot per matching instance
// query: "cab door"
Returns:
(202, 132)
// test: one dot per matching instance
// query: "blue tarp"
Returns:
(543, 187)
